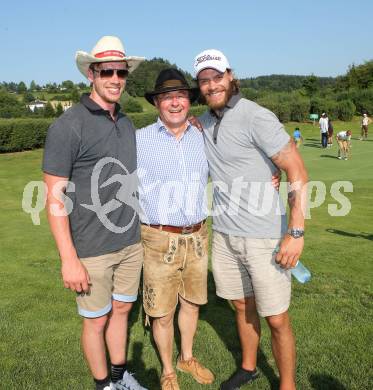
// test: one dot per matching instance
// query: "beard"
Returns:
(218, 105)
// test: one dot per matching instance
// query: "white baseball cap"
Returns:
(211, 58)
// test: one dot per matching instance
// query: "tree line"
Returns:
(291, 97)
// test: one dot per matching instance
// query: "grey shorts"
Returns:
(245, 267)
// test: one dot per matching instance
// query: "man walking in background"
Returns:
(88, 149)
(324, 125)
(173, 174)
(253, 249)
(364, 127)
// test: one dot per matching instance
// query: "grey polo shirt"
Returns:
(97, 154)
(239, 156)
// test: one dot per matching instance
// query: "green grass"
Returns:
(332, 315)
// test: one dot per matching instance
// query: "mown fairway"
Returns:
(332, 315)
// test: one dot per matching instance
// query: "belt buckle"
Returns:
(187, 229)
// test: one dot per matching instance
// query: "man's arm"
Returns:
(74, 274)
(289, 160)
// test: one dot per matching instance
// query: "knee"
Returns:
(245, 305)
(188, 306)
(96, 325)
(164, 322)
(278, 322)
(121, 308)
(239, 305)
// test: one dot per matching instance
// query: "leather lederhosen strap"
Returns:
(179, 229)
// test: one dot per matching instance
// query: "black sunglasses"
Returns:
(109, 73)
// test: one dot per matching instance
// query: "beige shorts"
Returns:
(245, 267)
(115, 276)
(174, 264)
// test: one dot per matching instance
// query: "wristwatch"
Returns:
(296, 232)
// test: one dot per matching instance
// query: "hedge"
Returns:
(29, 133)
(22, 134)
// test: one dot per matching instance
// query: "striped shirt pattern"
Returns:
(172, 174)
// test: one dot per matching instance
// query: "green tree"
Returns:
(10, 107)
(75, 95)
(28, 97)
(82, 86)
(32, 86)
(131, 105)
(59, 109)
(310, 85)
(68, 84)
(49, 111)
(21, 88)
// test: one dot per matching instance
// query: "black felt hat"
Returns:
(170, 80)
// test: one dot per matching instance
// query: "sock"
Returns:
(102, 383)
(117, 371)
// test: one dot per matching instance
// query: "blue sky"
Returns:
(38, 39)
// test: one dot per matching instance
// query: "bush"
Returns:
(300, 108)
(131, 105)
(143, 119)
(273, 103)
(22, 134)
(10, 107)
(363, 100)
(346, 110)
(249, 93)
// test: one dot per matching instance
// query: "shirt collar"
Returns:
(161, 126)
(94, 107)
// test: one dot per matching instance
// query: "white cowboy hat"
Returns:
(107, 49)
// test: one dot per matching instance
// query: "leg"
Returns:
(283, 348)
(163, 333)
(340, 148)
(248, 326)
(187, 321)
(116, 332)
(93, 344)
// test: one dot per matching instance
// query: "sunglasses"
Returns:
(109, 73)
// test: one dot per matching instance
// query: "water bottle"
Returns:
(301, 273)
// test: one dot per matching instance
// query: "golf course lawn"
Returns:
(331, 315)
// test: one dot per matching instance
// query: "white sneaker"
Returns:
(339, 158)
(128, 382)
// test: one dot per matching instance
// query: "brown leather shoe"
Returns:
(200, 373)
(169, 382)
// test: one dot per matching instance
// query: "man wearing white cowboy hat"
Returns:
(99, 244)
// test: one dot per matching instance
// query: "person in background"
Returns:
(323, 124)
(330, 134)
(344, 144)
(365, 120)
(297, 136)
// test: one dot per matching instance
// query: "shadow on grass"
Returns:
(146, 377)
(367, 236)
(221, 318)
(309, 145)
(328, 156)
(325, 382)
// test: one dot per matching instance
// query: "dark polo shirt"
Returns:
(98, 155)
